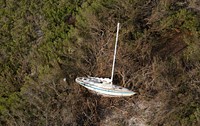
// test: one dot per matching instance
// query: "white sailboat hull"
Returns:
(103, 87)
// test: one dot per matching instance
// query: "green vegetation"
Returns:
(43, 42)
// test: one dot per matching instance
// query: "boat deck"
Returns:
(103, 86)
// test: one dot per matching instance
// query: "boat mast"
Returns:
(113, 66)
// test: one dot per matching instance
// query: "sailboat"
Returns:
(105, 86)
